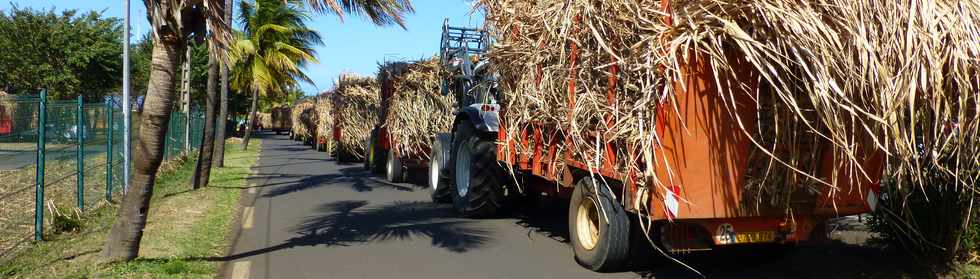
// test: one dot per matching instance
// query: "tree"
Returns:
(68, 54)
(202, 169)
(219, 146)
(271, 51)
(172, 21)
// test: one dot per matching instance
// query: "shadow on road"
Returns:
(832, 260)
(355, 176)
(348, 223)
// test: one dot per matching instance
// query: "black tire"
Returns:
(439, 182)
(600, 244)
(342, 156)
(485, 194)
(394, 169)
(370, 160)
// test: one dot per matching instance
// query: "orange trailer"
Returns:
(701, 160)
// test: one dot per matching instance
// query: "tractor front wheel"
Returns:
(480, 192)
(439, 183)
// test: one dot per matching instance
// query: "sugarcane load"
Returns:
(412, 111)
(742, 121)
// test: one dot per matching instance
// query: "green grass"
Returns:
(184, 228)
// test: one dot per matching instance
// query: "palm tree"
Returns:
(173, 23)
(171, 27)
(219, 145)
(271, 51)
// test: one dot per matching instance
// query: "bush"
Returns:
(937, 224)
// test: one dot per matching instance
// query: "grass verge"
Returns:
(184, 229)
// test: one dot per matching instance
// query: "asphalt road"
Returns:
(18, 159)
(307, 216)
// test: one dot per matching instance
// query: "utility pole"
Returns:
(186, 99)
(125, 106)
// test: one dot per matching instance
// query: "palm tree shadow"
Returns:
(353, 176)
(347, 223)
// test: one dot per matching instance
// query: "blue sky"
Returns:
(354, 45)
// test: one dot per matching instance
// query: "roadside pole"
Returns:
(42, 119)
(80, 154)
(125, 104)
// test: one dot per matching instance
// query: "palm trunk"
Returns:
(202, 170)
(220, 127)
(251, 119)
(219, 144)
(123, 242)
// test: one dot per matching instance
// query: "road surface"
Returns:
(306, 216)
(18, 159)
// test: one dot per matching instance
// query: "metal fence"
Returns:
(59, 159)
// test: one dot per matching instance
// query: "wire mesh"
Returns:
(82, 151)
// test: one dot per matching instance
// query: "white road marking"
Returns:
(248, 217)
(241, 269)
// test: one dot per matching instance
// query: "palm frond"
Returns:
(381, 12)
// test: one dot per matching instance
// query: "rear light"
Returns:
(787, 225)
(488, 108)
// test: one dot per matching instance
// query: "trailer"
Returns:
(382, 158)
(704, 164)
(281, 120)
(354, 102)
(406, 87)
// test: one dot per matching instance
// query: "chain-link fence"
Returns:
(59, 159)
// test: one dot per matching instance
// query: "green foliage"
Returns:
(286, 99)
(67, 53)
(273, 47)
(71, 221)
(142, 56)
(139, 59)
(937, 224)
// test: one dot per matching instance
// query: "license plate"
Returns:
(754, 237)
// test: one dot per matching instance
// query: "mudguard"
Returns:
(483, 119)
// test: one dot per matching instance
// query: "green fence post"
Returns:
(42, 118)
(108, 151)
(80, 150)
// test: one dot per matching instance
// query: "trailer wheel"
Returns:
(479, 193)
(394, 170)
(599, 227)
(341, 155)
(438, 183)
(371, 159)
